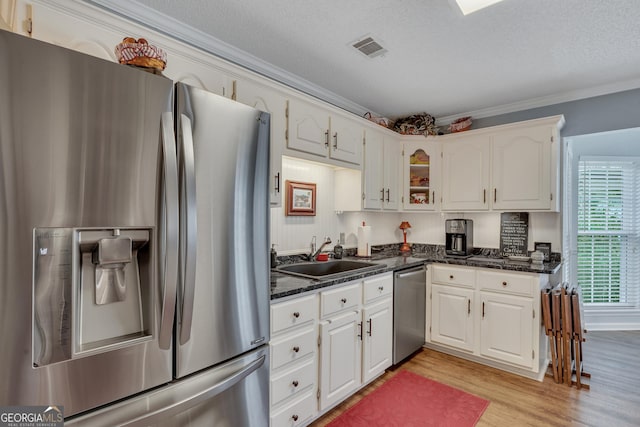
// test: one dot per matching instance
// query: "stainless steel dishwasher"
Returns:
(409, 310)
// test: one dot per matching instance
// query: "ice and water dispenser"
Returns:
(92, 291)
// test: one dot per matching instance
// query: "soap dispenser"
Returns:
(338, 251)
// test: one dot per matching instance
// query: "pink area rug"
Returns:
(410, 400)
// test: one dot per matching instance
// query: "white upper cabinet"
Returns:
(421, 166)
(521, 172)
(503, 168)
(381, 170)
(271, 101)
(346, 140)
(465, 172)
(315, 130)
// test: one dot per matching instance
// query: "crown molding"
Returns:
(544, 101)
(151, 18)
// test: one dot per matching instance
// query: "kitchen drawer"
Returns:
(517, 284)
(297, 413)
(377, 287)
(293, 382)
(340, 299)
(293, 347)
(445, 274)
(296, 312)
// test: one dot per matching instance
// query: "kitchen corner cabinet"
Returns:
(314, 130)
(381, 154)
(488, 316)
(421, 166)
(271, 101)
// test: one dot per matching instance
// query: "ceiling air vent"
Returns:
(369, 47)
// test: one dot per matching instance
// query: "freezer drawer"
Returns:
(233, 394)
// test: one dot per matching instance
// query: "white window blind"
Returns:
(608, 230)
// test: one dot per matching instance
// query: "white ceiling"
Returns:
(438, 60)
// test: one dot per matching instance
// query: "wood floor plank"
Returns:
(612, 359)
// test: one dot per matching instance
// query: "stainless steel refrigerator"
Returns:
(134, 213)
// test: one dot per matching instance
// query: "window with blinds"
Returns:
(608, 232)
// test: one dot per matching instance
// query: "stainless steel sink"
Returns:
(327, 269)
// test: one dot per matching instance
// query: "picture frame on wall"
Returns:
(300, 198)
(545, 248)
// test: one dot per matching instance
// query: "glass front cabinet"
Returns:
(421, 172)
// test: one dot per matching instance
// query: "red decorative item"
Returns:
(405, 246)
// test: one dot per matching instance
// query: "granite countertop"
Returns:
(389, 259)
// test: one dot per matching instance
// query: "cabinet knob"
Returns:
(296, 349)
(296, 314)
(504, 283)
(294, 417)
(294, 383)
(344, 300)
(381, 288)
(451, 277)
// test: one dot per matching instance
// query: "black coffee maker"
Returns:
(459, 237)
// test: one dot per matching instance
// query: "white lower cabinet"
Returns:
(356, 343)
(489, 316)
(340, 357)
(294, 361)
(451, 318)
(326, 346)
(506, 328)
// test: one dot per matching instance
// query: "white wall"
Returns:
(293, 234)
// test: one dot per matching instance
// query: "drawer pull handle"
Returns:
(296, 314)
(294, 383)
(294, 417)
(504, 283)
(296, 349)
(468, 306)
(344, 300)
(451, 277)
(381, 288)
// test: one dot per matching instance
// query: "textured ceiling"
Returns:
(438, 60)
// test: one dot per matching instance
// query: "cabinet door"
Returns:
(346, 140)
(465, 173)
(392, 167)
(420, 176)
(377, 353)
(521, 172)
(452, 316)
(373, 186)
(267, 99)
(308, 128)
(506, 328)
(340, 357)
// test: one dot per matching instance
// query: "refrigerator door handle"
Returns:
(180, 406)
(172, 228)
(189, 241)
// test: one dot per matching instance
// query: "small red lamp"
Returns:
(405, 246)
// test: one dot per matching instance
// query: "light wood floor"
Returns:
(612, 359)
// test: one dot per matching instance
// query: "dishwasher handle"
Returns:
(411, 272)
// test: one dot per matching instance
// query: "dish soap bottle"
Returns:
(338, 251)
(274, 256)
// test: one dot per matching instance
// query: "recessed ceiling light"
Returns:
(470, 6)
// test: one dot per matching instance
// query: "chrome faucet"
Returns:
(314, 253)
